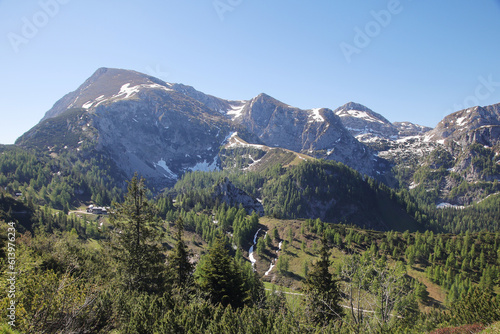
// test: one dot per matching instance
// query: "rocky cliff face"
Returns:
(460, 157)
(161, 138)
(466, 125)
(228, 193)
(471, 136)
(162, 130)
(317, 132)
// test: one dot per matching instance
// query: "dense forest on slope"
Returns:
(61, 180)
(335, 193)
(312, 189)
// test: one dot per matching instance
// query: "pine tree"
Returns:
(275, 234)
(268, 241)
(135, 241)
(261, 246)
(283, 264)
(321, 289)
(221, 278)
(179, 267)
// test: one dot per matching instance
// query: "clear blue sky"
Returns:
(420, 61)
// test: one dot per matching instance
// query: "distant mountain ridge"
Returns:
(317, 132)
(163, 130)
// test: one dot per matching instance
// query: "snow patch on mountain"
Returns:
(446, 205)
(205, 166)
(131, 91)
(358, 114)
(229, 137)
(235, 141)
(253, 164)
(163, 164)
(315, 116)
(236, 110)
(461, 121)
(409, 148)
(125, 92)
(368, 138)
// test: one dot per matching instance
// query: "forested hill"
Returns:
(312, 189)
(61, 180)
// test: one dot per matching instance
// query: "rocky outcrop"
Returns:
(228, 193)
(459, 125)
(408, 129)
(488, 135)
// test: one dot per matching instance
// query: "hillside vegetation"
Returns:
(199, 277)
(184, 260)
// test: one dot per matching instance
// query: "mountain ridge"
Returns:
(164, 129)
(115, 99)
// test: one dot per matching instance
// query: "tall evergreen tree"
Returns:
(321, 289)
(221, 277)
(135, 241)
(179, 267)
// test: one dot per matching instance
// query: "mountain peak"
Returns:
(356, 110)
(268, 100)
(264, 97)
(104, 84)
(355, 106)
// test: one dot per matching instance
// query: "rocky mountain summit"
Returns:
(142, 123)
(316, 132)
(163, 130)
(477, 124)
(368, 126)
(106, 86)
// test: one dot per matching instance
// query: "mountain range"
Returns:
(163, 130)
